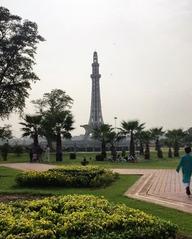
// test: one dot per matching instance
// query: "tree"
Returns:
(53, 102)
(112, 139)
(175, 137)
(138, 136)
(146, 136)
(101, 133)
(59, 125)
(32, 127)
(155, 134)
(130, 128)
(18, 44)
(188, 136)
(5, 132)
(168, 142)
(57, 118)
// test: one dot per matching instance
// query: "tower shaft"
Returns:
(96, 118)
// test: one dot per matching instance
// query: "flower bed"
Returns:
(79, 217)
(68, 177)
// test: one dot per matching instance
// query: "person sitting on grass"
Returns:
(186, 165)
(84, 162)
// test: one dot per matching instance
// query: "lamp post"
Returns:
(115, 118)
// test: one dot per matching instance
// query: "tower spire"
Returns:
(96, 118)
(95, 58)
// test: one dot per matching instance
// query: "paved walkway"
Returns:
(29, 166)
(163, 186)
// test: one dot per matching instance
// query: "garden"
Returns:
(79, 216)
(9, 189)
(83, 198)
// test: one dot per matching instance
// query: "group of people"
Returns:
(185, 165)
(39, 154)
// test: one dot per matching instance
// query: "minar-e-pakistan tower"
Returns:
(96, 118)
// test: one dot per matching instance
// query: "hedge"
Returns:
(72, 176)
(79, 217)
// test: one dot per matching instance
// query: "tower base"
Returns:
(88, 130)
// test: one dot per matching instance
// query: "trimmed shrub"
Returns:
(99, 157)
(84, 162)
(79, 217)
(87, 176)
(72, 155)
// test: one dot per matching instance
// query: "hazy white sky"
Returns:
(145, 55)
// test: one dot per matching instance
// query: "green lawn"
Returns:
(113, 193)
(154, 162)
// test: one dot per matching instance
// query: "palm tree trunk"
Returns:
(176, 149)
(59, 156)
(132, 145)
(141, 149)
(147, 151)
(170, 154)
(35, 138)
(113, 152)
(103, 149)
(156, 144)
(158, 148)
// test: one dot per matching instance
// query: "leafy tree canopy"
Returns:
(18, 45)
(5, 132)
(32, 125)
(59, 123)
(55, 101)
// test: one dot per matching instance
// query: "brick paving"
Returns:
(162, 186)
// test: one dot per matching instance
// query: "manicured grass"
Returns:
(154, 162)
(113, 193)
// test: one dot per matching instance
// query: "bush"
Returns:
(99, 157)
(68, 177)
(72, 155)
(84, 162)
(79, 217)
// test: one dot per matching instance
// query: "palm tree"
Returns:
(130, 128)
(146, 137)
(175, 136)
(138, 136)
(101, 133)
(59, 125)
(188, 136)
(168, 143)
(155, 134)
(57, 117)
(32, 127)
(112, 139)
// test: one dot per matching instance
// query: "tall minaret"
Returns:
(95, 118)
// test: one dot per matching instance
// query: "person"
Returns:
(84, 162)
(47, 153)
(186, 165)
